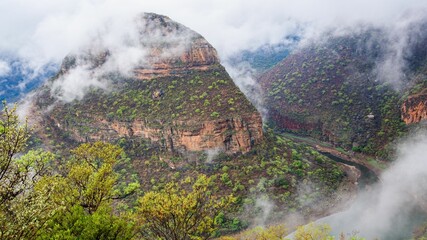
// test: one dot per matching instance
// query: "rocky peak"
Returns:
(169, 48)
(178, 96)
(199, 54)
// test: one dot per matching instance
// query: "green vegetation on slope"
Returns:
(278, 232)
(177, 102)
(293, 177)
(198, 95)
(329, 91)
(88, 192)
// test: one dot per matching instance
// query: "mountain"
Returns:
(180, 97)
(333, 90)
(177, 114)
(160, 92)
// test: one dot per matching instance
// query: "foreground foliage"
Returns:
(71, 202)
(176, 213)
(84, 197)
(311, 231)
(24, 205)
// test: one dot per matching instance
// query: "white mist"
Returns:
(388, 209)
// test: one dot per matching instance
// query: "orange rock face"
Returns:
(199, 55)
(414, 109)
(230, 135)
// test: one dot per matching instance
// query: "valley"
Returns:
(370, 169)
(144, 133)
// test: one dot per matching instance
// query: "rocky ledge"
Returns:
(414, 108)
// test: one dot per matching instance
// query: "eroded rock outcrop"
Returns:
(232, 135)
(238, 134)
(199, 55)
(414, 108)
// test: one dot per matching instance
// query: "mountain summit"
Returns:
(165, 85)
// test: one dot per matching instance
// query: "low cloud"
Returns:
(212, 153)
(399, 42)
(4, 68)
(144, 42)
(264, 207)
(76, 83)
(49, 30)
(389, 209)
(244, 75)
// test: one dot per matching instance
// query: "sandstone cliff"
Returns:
(198, 56)
(414, 108)
(235, 134)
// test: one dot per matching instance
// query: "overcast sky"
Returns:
(46, 30)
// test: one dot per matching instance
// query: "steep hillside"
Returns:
(179, 114)
(179, 97)
(332, 91)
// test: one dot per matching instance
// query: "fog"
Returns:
(4, 68)
(212, 153)
(44, 32)
(244, 75)
(48, 30)
(400, 39)
(118, 50)
(264, 206)
(389, 209)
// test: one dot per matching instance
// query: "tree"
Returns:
(24, 206)
(174, 213)
(259, 233)
(13, 139)
(74, 203)
(76, 223)
(91, 174)
(86, 193)
(313, 232)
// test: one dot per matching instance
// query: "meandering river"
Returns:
(390, 208)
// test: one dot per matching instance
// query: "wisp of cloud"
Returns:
(388, 209)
